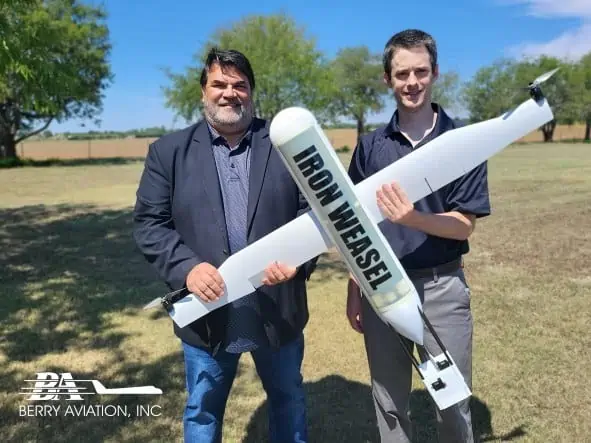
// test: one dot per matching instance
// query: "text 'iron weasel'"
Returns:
(321, 181)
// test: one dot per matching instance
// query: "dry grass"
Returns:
(69, 149)
(131, 147)
(73, 284)
(562, 132)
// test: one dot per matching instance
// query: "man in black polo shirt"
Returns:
(429, 237)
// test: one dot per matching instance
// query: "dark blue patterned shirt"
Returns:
(245, 330)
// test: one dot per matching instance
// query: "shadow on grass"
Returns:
(99, 418)
(64, 270)
(425, 421)
(338, 410)
(342, 410)
(330, 265)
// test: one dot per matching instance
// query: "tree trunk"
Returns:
(7, 147)
(360, 127)
(587, 130)
(548, 130)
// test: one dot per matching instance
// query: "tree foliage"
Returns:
(491, 91)
(557, 89)
(9, 44)
(288, 69)
(497, 88)
(358, 87)
(447, 91)
(53, 66)
(581, 84)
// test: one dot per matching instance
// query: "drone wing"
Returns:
(293, 244)
(453, 154)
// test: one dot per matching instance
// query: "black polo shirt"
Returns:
(468, 194)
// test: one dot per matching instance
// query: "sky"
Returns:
(150, 35)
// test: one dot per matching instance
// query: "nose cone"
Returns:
(404, 316)
(288, 123)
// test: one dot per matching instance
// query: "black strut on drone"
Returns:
(172, 297)
(536, 92)
(442, 364)
(438, 384)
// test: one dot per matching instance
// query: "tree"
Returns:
(497, 88)
(585, 65)
(581, 83)
(446, 91)
(359, 87)
(288, 69)
(558, 89)
(10, 45)
(54, 66)
(491, 91)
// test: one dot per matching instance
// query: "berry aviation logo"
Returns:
(52, 386)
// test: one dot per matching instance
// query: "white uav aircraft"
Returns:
(346, 217)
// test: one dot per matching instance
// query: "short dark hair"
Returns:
(225, 58)
(407, 39)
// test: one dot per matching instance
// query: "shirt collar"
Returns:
(442, 123)
(216, 137)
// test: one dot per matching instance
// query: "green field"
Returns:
(72, 285)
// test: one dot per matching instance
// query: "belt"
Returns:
(434, 272)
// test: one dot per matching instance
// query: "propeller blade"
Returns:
(156, 302)
(542, 78)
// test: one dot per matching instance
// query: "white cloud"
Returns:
(571, 45)
(556, 8)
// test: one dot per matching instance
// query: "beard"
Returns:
(229, 118)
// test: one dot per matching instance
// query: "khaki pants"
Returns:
(446, 303)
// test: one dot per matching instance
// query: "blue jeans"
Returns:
(209, 380)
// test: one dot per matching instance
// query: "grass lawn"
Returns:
(72, 286)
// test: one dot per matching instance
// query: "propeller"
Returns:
(534, 87)
(538, 81)
(542, 78)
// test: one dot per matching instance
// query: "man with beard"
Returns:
(429, 237)
(206, 192)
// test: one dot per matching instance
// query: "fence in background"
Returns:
(80, 149)
(138, 147)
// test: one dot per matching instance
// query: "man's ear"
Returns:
(436, 72)
(386, 80)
